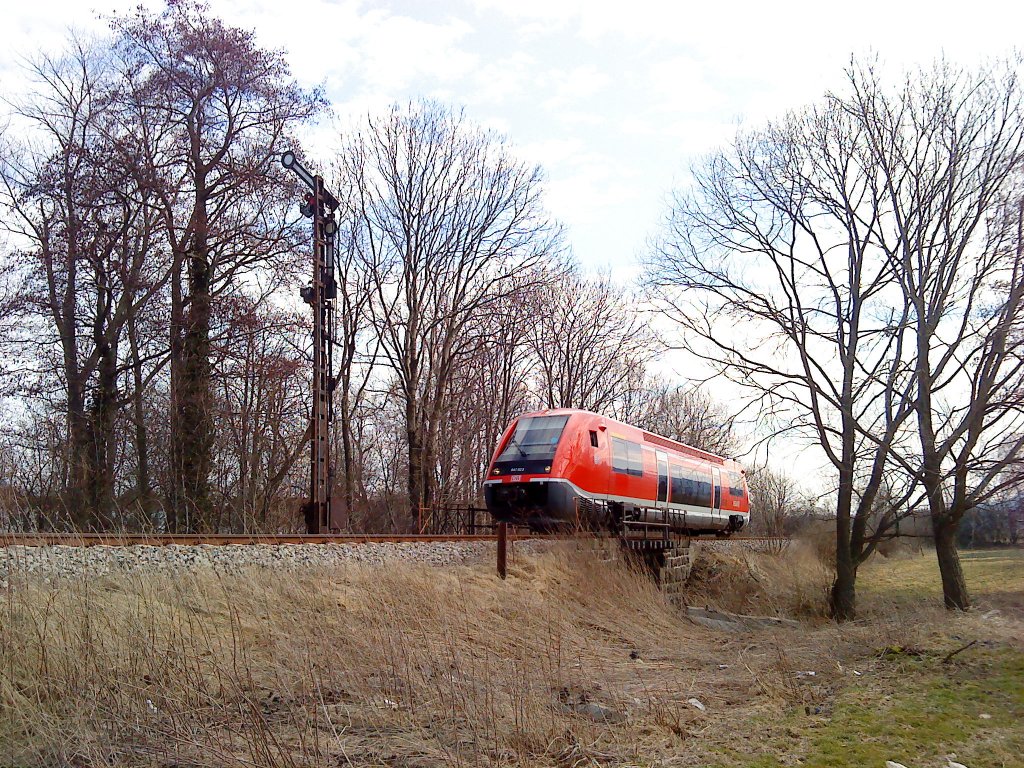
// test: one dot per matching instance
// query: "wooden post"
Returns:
(502, 548)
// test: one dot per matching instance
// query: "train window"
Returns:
(627, 457)
(593, 438)
(535, 438)
(620, 456)
(676, 495)
(636, 459)
(735, 485)
(662, 478)
(690, 486)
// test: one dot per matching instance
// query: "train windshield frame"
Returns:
(535, 439)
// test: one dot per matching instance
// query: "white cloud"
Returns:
(613, 99)
(399, 51)
(498, 80)
(573, 86)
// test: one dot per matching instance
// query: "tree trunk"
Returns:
(843, 597)
(954, 586)
(143, 488)
(415, 471)
(102, 438)
(347, 464)
(427, 489)
(191, 428)
(76, 502)
(194, 399)
(175, 493)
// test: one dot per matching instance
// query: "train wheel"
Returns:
(614, 515)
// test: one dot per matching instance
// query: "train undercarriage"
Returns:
(556, 507)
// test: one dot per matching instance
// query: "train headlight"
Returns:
(547, 469)
(496, 471)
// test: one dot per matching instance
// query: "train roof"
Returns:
(649, 437)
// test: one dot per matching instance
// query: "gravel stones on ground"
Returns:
(64, 561)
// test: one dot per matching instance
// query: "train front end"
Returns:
(522, 485)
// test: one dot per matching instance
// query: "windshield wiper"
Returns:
(522, 451)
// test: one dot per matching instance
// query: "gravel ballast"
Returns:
(63, 561)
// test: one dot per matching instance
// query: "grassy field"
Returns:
(995, 579)
(911, 709)
(569, 663)
(910, 701)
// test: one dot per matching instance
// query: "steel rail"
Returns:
(45, 539)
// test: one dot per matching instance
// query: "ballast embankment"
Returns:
(58, 560)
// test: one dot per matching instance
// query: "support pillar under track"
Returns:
(670, 562)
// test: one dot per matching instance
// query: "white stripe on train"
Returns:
(687, 512)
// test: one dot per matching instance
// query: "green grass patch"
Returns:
(912, 709)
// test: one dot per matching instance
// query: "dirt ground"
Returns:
(570, 662)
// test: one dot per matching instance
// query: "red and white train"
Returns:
(562, 469)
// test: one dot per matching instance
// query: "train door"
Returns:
(600, 443)
(662, 497)
(716, 503)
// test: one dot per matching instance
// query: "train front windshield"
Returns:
(535, 439)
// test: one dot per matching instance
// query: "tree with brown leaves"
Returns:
(213, 110)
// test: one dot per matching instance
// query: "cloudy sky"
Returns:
(614, 99)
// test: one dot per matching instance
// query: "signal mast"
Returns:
(320, 205)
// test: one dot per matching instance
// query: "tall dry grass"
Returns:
(793, 582)
(412, 665)
(409, 664)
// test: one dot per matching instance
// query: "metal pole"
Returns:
(502, 548)
(320, 488)
(319, 517)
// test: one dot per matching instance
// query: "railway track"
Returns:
(221, 539)
(38, 539)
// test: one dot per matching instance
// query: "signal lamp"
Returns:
(289, 161)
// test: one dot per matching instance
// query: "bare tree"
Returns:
(356, 351)
(770, 268)
(588, 342)
(444, 218)
(774, 497)
(862, 249)
(213, 109)
(687, 414)
(261, 398)
(88, 267)
(490, 389)
(947, 148)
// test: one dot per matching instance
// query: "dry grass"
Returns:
(793, 582)
(995, 579)
(419, 666)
